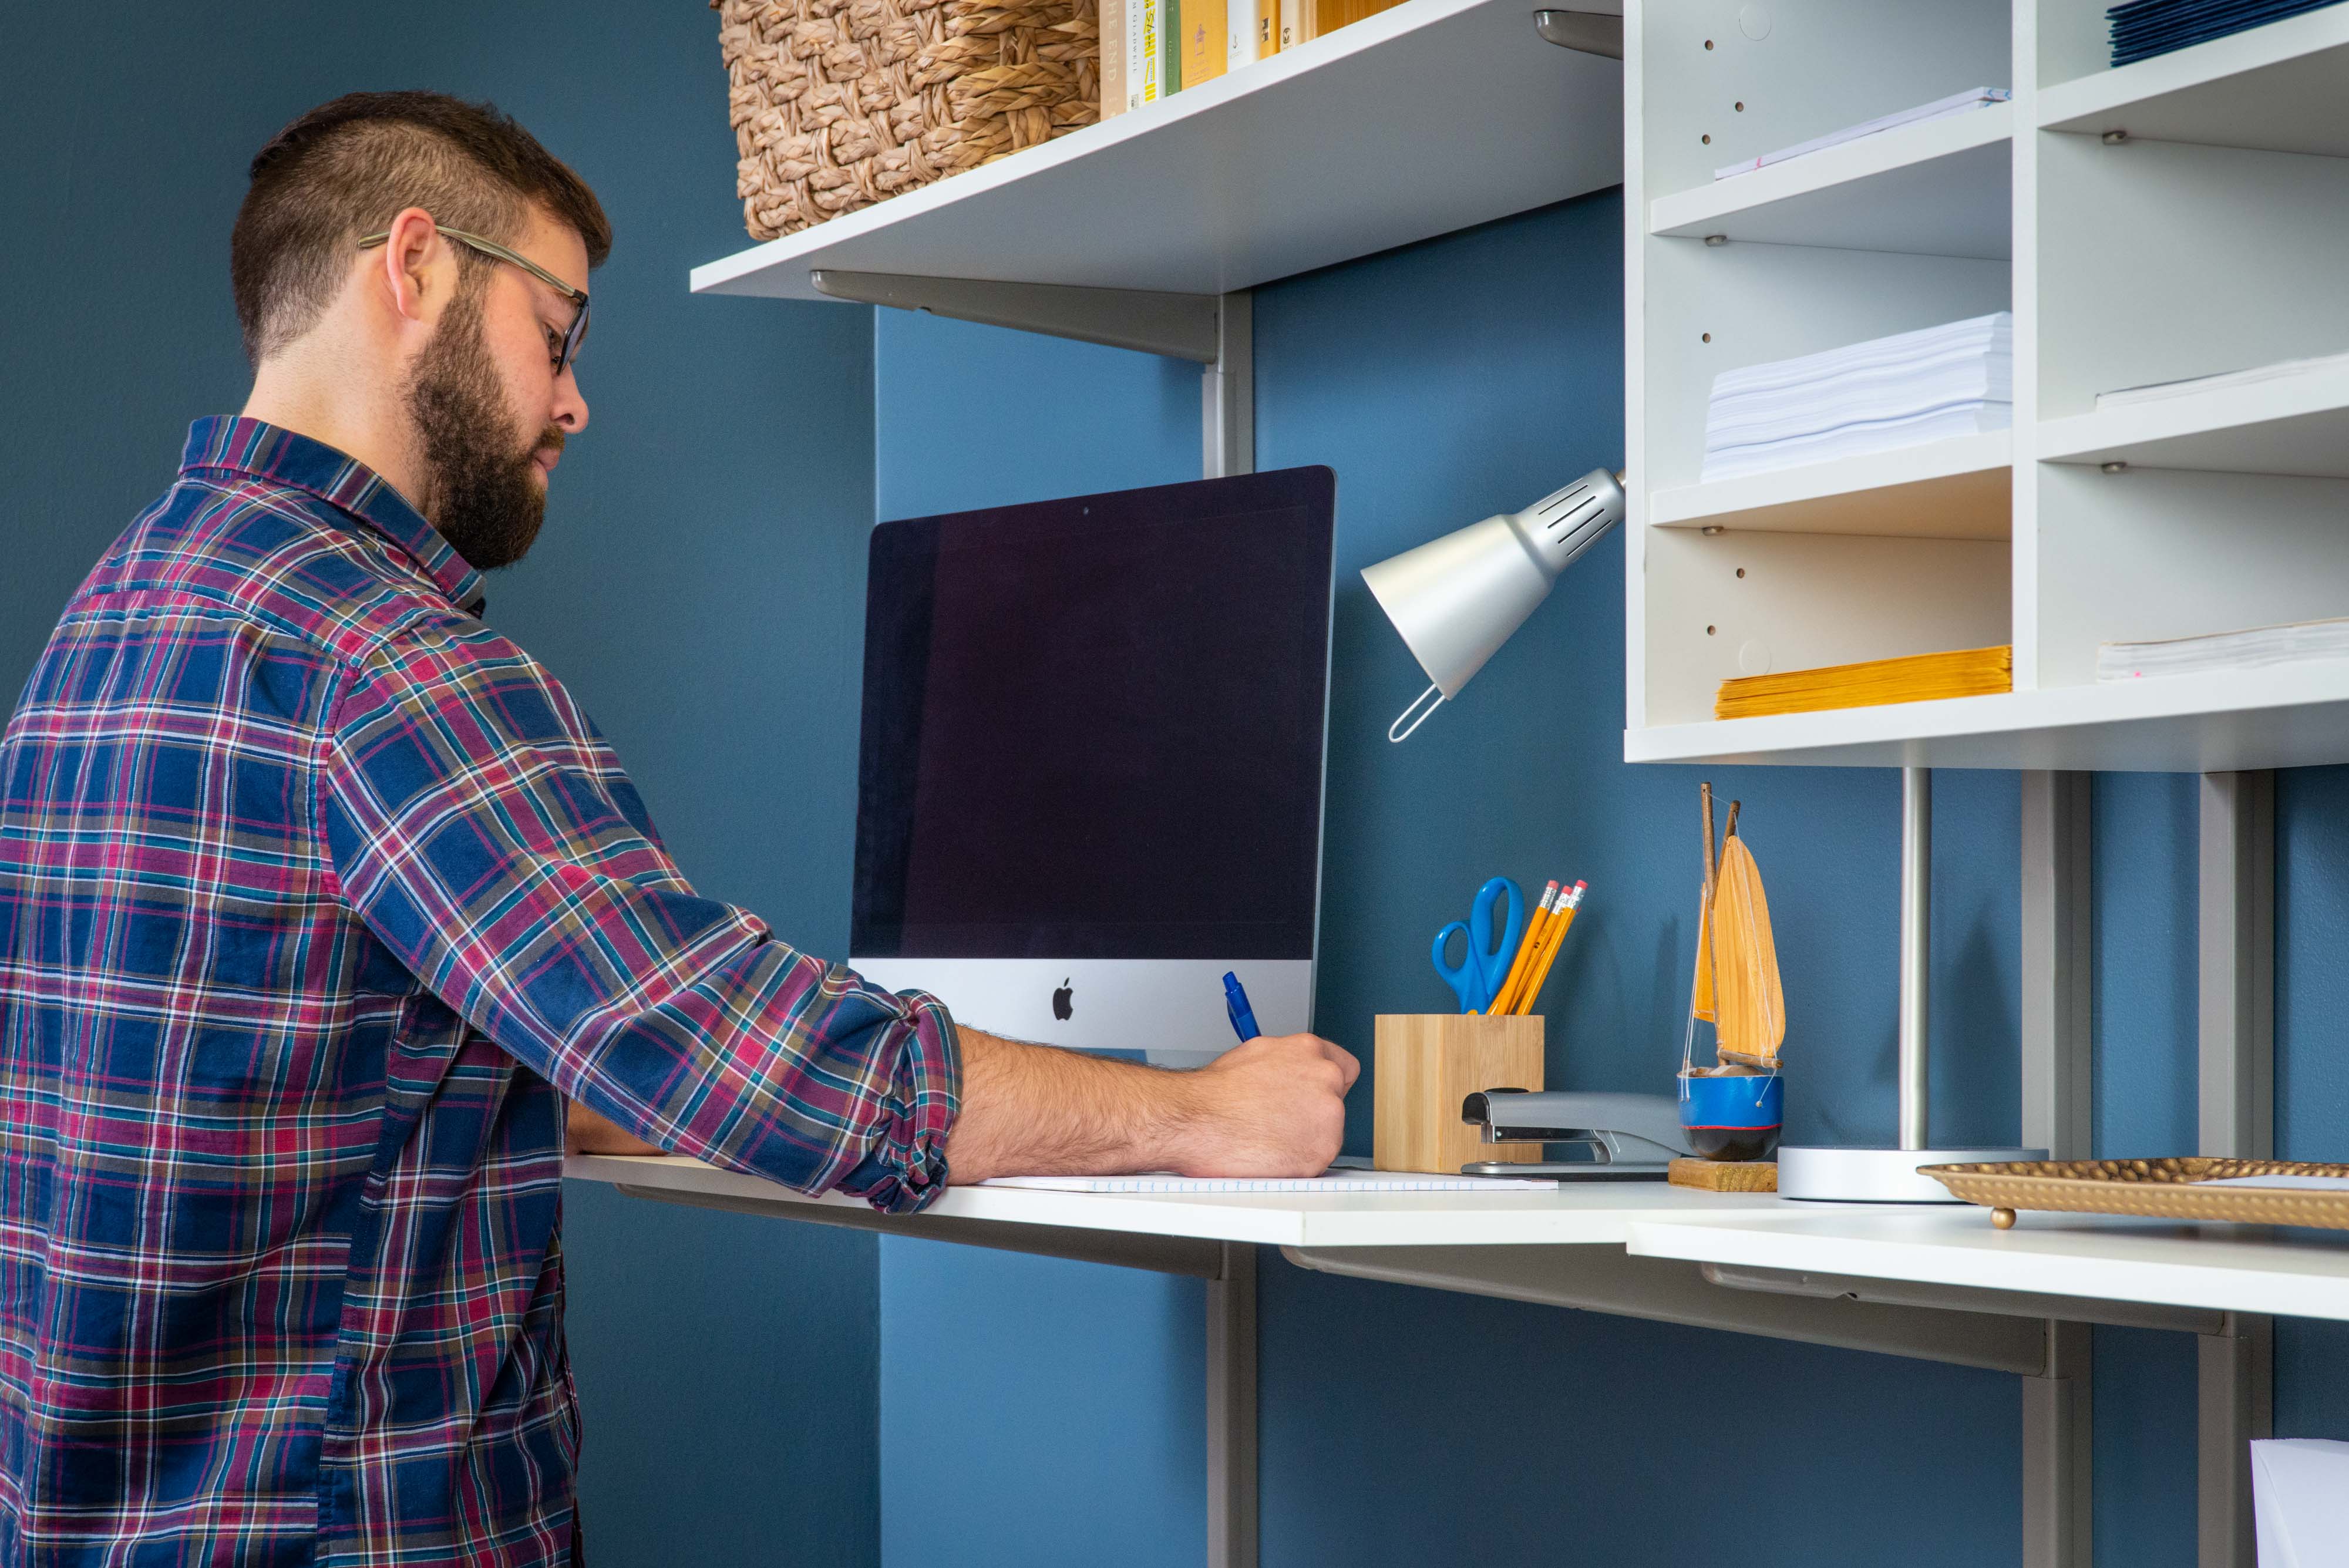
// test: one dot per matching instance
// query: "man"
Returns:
(322, 905)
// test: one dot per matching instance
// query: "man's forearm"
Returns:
(1268, 1107)
(1030, 1110)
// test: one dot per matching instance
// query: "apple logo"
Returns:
(1061, 1006)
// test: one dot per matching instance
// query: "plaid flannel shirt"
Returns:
(316, 895)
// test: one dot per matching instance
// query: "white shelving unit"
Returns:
(1424, 118)
(2204, 237)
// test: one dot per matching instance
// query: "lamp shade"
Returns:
(1457, 598)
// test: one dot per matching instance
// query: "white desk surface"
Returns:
(1588, 1213)
(2232, 1268)
(2099, 1257)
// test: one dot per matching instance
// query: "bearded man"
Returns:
(323, 907)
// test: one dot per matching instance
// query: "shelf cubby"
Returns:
(1940, 187)
(2277, 87)
(2293, 425)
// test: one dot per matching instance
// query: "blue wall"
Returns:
(696, 585)
(1440, 391)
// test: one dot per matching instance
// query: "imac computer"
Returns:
(1091, 774)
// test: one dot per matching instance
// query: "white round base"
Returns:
(1878, 1175)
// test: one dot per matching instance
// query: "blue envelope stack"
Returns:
(2144, 28)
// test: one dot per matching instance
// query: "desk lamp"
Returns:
(1457, 599)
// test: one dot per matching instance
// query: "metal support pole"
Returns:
(1231, 1411)
(1916, 956)
(2058, 1475)
(2236, 1366)
(1227, 392)
(2058, 1111)
(1228, 446)
(2059, 1407)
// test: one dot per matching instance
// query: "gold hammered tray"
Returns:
(2162, 1189)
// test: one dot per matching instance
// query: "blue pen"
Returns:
(1235, 1002)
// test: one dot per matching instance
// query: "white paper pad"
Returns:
(2254, 648)
(1956, 103)
(2299, 1501)
(2282, 370)
(1330, 1182)
(2298, 1183)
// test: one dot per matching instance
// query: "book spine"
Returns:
(1140, 23)
(1206, 40)
(1267, 27)
(1112, 57)
(1170, 48)
(1240, 34)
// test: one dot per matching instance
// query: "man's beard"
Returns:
(478, 492)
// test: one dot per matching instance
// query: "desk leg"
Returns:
(2059, 1483)
(1231, 1411)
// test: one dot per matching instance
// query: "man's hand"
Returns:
(584, 1132)
(1269, 1107)
(1275, 1107)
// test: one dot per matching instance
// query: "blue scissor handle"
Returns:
(1477, 980)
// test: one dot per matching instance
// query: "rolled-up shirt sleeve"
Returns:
(485, 833)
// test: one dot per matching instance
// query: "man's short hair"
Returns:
(348, 168)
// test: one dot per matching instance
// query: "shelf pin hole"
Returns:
(1708, 337)
(1740, 106)
(1707, 140)
(1708, 43)
(1709, 630)
(1741, 571)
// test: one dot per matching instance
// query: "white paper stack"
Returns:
(1889, 392)
(2254, 648)
(2299, 1501)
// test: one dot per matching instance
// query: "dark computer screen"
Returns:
(1094, 727)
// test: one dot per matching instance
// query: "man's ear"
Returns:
(417, 270)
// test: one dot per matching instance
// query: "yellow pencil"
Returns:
(1553, 937)
(1527, 945)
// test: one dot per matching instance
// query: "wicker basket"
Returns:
(838, 104)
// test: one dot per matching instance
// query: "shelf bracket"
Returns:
(1177, 326)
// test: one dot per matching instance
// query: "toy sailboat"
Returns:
(1737, 987)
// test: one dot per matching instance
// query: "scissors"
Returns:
(1476, 981)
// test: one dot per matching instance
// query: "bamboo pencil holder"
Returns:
(1424, 1064)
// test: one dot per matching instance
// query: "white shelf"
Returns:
(2278, 88)
(2098, 1257)
(1956, 489)
(1943, 187)
(1421, 119)
(1589, 1213)
(2284, 717)
(2298, 425)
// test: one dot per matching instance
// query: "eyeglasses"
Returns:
(563, 349)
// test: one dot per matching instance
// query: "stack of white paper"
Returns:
(1889, 392)
(2255, 649)
(2299, 1501)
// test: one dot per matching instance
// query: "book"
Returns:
(2226, 381)
(1112, 58)
(1268, 28)
(1206, 40)
(1331, 15)
(1161, 64)
(1296, 23)
(2254, 648)
(1339, 1180)
(1956, 103)
(1136, 13)
(1919, 678)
